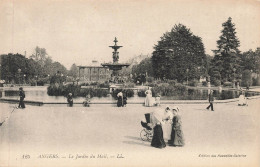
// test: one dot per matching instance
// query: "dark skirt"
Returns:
(70, 101)
(177, 138)
(158, 140)
(120, 102)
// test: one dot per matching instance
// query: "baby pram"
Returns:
(147, 133)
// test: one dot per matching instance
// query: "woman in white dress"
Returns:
(149, 101)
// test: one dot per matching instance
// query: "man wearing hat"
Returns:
(22, 96)
(211, 99)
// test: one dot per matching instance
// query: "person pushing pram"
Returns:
(153, 119)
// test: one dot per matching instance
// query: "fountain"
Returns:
(115, 66)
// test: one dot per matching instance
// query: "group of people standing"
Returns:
(166, 125)
(86, 102)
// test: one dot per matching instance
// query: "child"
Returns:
(158, 99)
(242, 100)
(87, 101)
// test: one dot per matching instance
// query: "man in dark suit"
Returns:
(211, 99)
(22, 96)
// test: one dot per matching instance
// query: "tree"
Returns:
(250, 60)
(40, 55)
(246, 78)
(144, 67)
(15, 68)
(257, 60)
(74, 71)
(179, 55)
(226, 59)
(58, 68)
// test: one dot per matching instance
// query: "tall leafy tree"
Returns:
(179, 55)
(250, 60)
(16, 68)
(74, 71)
(226, 61)
(40, 55)
(144, 67)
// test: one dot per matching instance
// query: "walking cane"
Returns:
(15, 107)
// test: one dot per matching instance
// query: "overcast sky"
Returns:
(80, 31)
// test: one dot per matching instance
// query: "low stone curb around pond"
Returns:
(40, 103)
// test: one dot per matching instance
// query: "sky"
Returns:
(77, 31)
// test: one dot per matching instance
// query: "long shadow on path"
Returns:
(137, 142)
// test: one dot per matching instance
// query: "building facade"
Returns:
(93, 73)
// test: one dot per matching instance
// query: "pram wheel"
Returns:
(146, 135)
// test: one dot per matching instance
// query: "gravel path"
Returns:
(111, 131)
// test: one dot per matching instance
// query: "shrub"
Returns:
(61, 90)
(141, 93)
(166, 90)
(129, 85)
(256, 81)
(246, 78)
(32, 82)
(11, 93)
(172, 82)
(204, 83)
(104, 85)
(158, 81)
(227, 84)
(84, 84)
(150, 79)
(54, 90)
(128, 92)
(218, 83)
(94, 83)
(151, 84)
(193, 83)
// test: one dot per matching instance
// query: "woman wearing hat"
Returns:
(177, 138)
(70, 100)
(22, 96)
(157, 119)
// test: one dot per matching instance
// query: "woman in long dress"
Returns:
(177, 138)
(120, 99)
(158, 119)
(70, 99)
(149, 98)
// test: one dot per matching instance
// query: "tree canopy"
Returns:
(144, 67)
(179, 55)
(16, 68)
(226, 61)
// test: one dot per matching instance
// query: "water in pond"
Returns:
(202, 94)
(40, 94)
